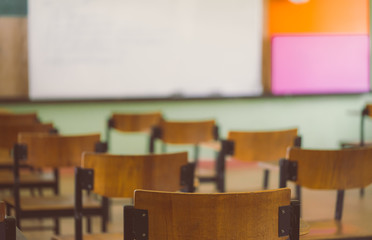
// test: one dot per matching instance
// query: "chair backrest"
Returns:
(135, 122)
(120, 175)
(183, 216)
(18, 118)
(187, 132)
(54, 151)
(9, 132)
(332, 169)
(262, 145)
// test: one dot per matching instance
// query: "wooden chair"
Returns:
(328, 170)
(117, 176)
(184, 133)
(248, 146)
(6, 119)
(240, 216)
(33, 179)
(9, 135)
(132, 123)
(51, 151)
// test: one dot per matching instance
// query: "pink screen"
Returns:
(320, 64)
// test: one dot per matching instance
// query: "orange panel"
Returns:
(319, 16)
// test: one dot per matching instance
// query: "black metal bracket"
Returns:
(101, 147)
(135, 223)
(187, 177)
(284, 221)
(292, 170)
(156, 133)
(53, 131)
(227, 147)
(86, 177)
(288, 171)
(111, 123)
(298, 141)
(289, 220)
(216, 132)
(20, 151)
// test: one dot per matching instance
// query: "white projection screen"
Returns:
(118, 49)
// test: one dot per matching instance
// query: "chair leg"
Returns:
(361, 193)
(89, 225)
(339, 204)
(56, 226)
(298, 193)
(266, 179)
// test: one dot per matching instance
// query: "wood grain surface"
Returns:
(333, 169)
(261, 145)
(136, 122)
(176, 216)
(187, 132)
(120, 175)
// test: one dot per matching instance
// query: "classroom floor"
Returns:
(316, 205)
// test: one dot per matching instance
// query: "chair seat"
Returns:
(52, 202)
(333, 229)
(6, 178)
(98, 236)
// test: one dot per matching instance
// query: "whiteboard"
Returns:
(103, 49)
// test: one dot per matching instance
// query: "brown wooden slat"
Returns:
(126, 173)
(136, 122)
(62, 151)
(18, 118)
(333, 169)
(187, 132)
(9, 132)
(181, 216)
(261, 145)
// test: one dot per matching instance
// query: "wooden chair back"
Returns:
(263, 145)
(120, 175)
(18, 118)
(332, 169)
(9, 132)
(183, 216)
(135, 122)
(187, 132)
(54, 151)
